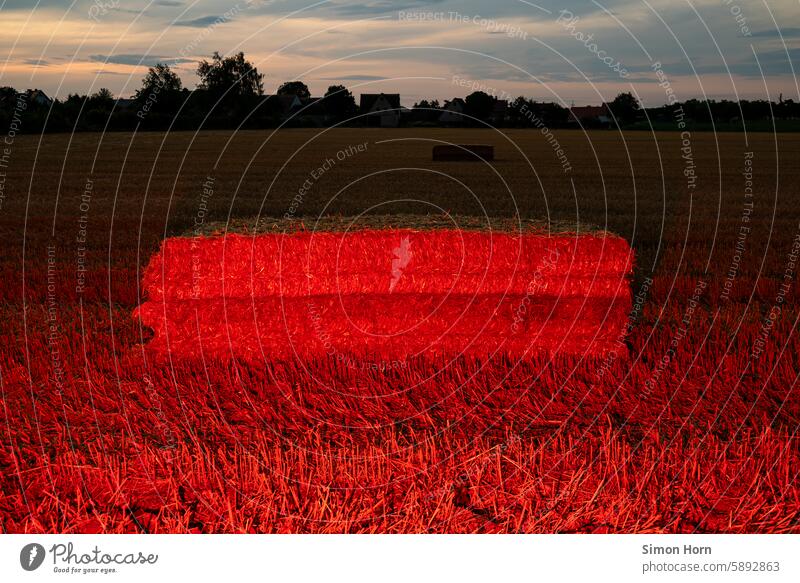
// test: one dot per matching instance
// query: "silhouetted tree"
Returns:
(339, 102)
(7, 95)
(516, 111)
(160, 80)
(197, 109)
(625, 108)
(97, 110)
(296, 88)
(160, 93)
(787, 109)
(479, 105)
(426, 112)
(234, 75)
(103, 99)
(425, 104)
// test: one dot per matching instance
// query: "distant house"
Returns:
(590, 115)
(500, 111)
(381, 109)
(123, 103)
(38, 97)
(284, 105)
(453, 111)
(313, 112)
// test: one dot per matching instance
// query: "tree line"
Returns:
(230, 94)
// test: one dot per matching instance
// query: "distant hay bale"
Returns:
(463, 153)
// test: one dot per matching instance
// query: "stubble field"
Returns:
(693, 428)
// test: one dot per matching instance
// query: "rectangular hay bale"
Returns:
(463, 153)
(392, 293)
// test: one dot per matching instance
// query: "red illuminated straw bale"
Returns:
(388, 293)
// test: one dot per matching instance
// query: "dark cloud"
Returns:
(203, 21)
(76, 7)
(375, 8)
(786, 32)
(136, 60)
(777, 62)
(28, 5)
(511, 9)
(541, 9)
(773, 62)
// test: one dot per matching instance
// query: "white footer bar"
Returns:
(401, 558)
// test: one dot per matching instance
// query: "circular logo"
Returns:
(31, 556)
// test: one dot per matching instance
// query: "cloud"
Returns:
(530, 9)
(203, 21)
(26, 4)
(137, 60)
(786, 32)
(377, 7)
(773, 62)
(355, 78)
(345, 8)
(431, 49)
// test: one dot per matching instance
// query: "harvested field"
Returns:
(691, 428)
